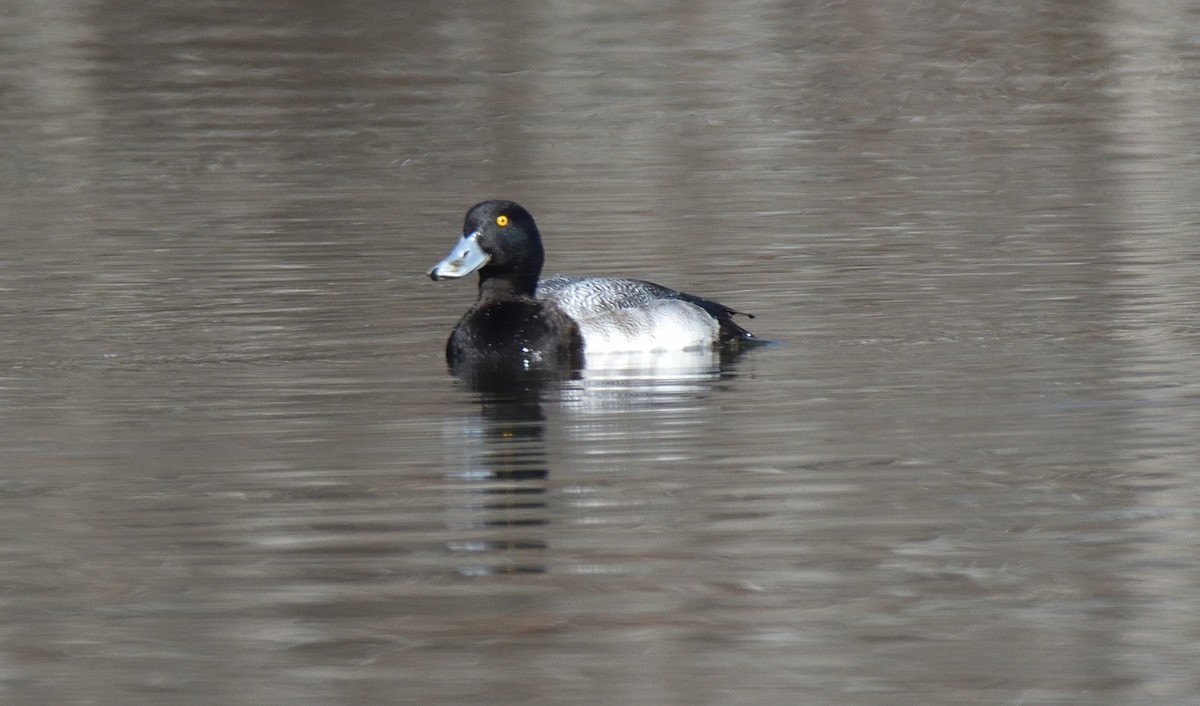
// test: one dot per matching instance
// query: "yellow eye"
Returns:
(501, 221)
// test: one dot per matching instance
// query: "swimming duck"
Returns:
(557, 321)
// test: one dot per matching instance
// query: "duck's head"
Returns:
(500, 240)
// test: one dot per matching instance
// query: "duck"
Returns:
(519, 319)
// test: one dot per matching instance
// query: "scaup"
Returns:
(518, 319)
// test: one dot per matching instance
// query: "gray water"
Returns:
(235, 470)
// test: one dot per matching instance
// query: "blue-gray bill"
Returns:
(465, 258)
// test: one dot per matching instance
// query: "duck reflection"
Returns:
(502, 505)
(501, 497)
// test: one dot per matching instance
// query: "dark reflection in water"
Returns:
(503, 480)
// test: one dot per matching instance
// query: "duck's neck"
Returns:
(507, 286)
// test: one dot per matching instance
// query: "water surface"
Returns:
(235, 469)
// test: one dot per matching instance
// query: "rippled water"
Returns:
(235, 468)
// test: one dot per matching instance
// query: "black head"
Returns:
(500, 241)
(507, 233)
